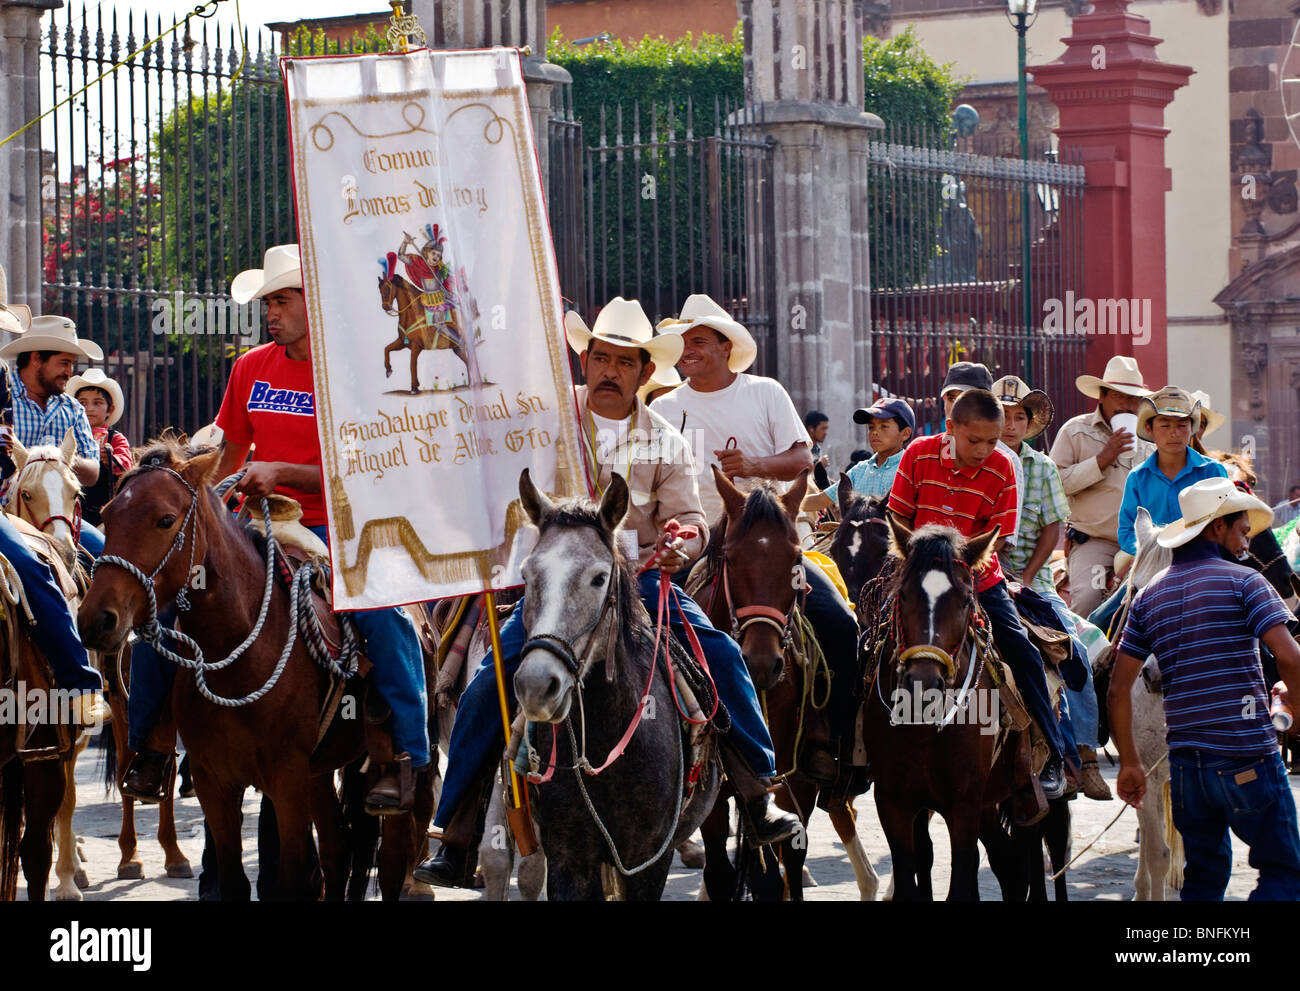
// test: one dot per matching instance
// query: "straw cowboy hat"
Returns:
(209, 436)
(1012, 391)
(1121, 375)
(665, 377)
(52, 334)
(14, 317)
(623, 323)
(1212, 420)
(281, 269)
(1206, 501)
(94, 378)
(1169, 401)
(701, 311)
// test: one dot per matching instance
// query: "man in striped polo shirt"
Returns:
(960, 479)
(1203, 618)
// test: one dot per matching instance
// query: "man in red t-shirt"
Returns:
(270, 404)
(960, 479)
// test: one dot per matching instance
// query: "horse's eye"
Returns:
(27, 496)
(599, 579)
(166, 522)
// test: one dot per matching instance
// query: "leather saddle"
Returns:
(70, 577)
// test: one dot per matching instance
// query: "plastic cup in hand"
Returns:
(1124, 421)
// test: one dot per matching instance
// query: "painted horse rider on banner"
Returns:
(430, 272)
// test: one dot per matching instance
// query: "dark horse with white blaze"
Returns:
(164, 519)
(861, 540)
(582, 602)
(948, 765)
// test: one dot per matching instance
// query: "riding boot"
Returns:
(148, 775)
(769, 823)
(394, 791)
(850, 781)
(454, 864)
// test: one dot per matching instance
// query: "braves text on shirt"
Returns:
(102, 945)
(264, 398)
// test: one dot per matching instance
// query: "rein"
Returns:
(154, 633)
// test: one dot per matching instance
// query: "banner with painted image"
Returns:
(438, 350)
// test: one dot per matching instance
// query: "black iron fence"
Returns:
(665, 212)
(947, 267)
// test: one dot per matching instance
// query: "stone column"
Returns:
(20, 159)
(803, 82)
(514, 23)
(1111, 90)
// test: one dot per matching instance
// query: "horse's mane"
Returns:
(763, 507)
(627, 598)
(930, 545)
(168, 450)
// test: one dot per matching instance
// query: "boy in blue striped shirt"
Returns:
(1203, 618)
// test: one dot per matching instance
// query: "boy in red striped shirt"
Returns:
(960, 479)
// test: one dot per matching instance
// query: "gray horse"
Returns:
(610, 834)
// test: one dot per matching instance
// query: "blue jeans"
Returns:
(391, 645)
(477, 730)
(1083, 705)
(1208, 800)
(54, 630)
(1025, 662)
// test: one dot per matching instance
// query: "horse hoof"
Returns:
(182, 869)
(415, 391)
(416, 891)
(67, 893)
(692, 854)
(388, 373)
(808, 881)
(130, 872)
(80, 879)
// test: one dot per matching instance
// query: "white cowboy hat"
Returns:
(665, 377)
(1206, 501)
(1121, 375)
(623, 323)
(209, 436)
(281, 269)
(1212, 420)
(701, 311)
(52, 334)
(15, 317)
(94, 378)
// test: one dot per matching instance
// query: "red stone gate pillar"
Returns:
(1111, 90)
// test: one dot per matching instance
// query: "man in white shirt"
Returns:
(747, 425)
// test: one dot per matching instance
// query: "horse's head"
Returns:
(1151, 558)
(45, 488)
(761, 566)
(578, 584)
(152, 525)
(861, 541)
(934, 595)
(387, 295)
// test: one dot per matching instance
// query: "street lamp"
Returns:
(1021, 14)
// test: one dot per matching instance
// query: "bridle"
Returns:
(73, 524)
(746, 616)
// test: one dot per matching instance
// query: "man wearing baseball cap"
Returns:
(1203, 618)
(1095, 453)
(890, 425)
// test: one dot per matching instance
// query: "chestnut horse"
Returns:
(755, 559)
(164, 520)
(948, 763)
(402, 300)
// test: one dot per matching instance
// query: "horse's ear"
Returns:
(1144, 528)
(732, 498)
(900, 536)
(978, 551)
(614, 503)
(843, 493)
(198, 471)
(535, 503)
(20, 453)
(68, 449)
(793, 498)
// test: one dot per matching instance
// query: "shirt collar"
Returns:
(951, 464)
(1097, 420)
(893, 459)
(1195, 460)
(1200, 549)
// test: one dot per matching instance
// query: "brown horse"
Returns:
(860, 543)
(944, 761)
(166, 517)
(402, 300)
(754, 557)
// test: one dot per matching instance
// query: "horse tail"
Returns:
(361, 832)
(11, 824)
(109, 760)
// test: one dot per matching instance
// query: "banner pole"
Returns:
(498, 668)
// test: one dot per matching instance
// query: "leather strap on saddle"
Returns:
(52, 552)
